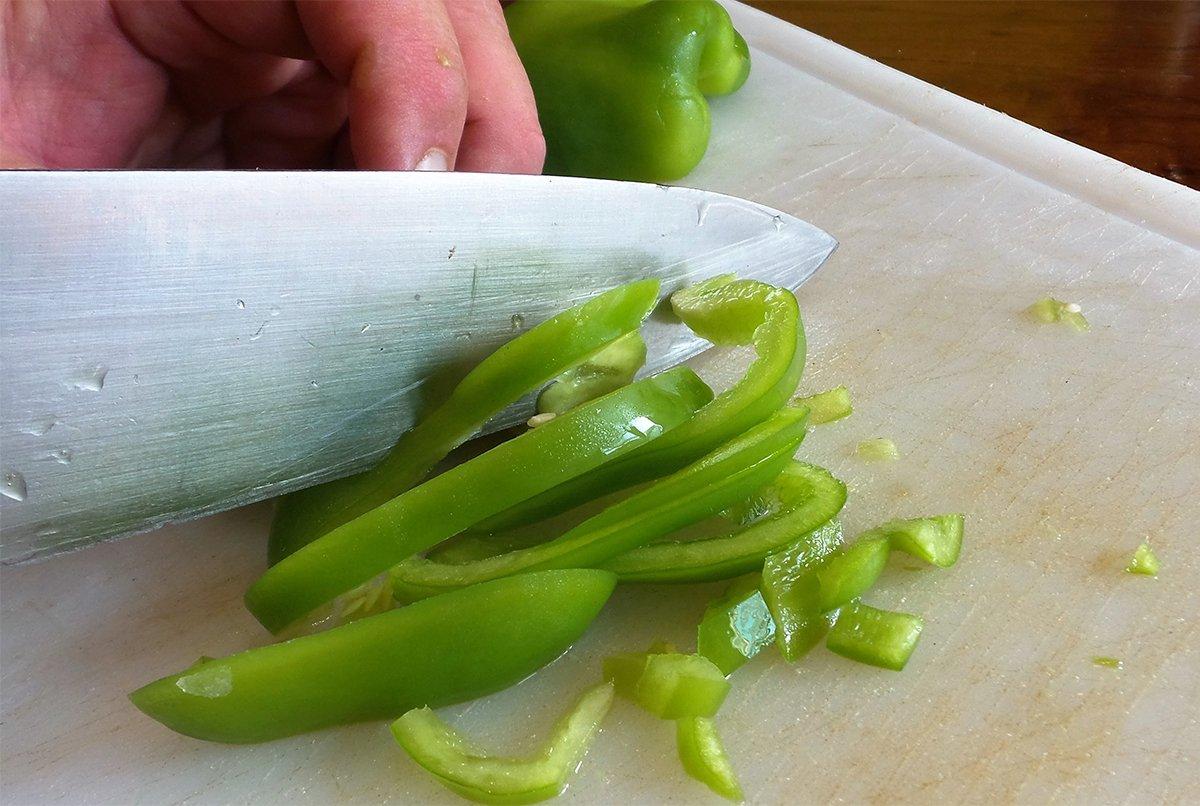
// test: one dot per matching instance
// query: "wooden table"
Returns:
(1122, 78)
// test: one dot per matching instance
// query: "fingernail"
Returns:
(434, 160)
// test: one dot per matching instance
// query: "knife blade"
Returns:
(178, 343)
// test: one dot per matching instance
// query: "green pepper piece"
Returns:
(825, 407)
(704, 758)
(1049, 310)
(793, 593)
(609, 369)
(704, 488)
(879, 449)
(436, 652)
(802, 498)
(620, 85)
(727, 312)
(936, 539)
(574, 443)
(849, 572)
(736, 626)
(520, 366)
(463, 769)
(668, 685)
(1144, 562)
(881, 638)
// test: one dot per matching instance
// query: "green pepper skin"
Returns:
(736, 626)
(882, 638)
(704, 758)
(699, 490)
(727, 312)
(609, 369)
(568, 446)
(440, 651)
(520, 366)
(669, 685)
(461, 768)
(620, 84)
(936, 539)
(803, 498)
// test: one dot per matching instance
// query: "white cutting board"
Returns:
(1065, 450)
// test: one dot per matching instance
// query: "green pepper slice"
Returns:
(936, 539)
(736, 626)
(704, 488)
(877, 637)
(518, 367)
(574, 443)
(609, 369)
(620, 86)
(832, 404)
(726, 311)
(704, 757)
(440, 651)
(793, 594)
(464, 769)
(669, 685)
(802, 498)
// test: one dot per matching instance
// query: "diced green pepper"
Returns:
(1051, 311)
(620, 85)
(609, 369)
(440, 651)
(725, 311)
(702, 489)
(825, 407)
(850, 572)
(881, 638)
(1144, 562)
(736, 626)
(879, 449)
(574, 443)
(704, 758)
(936, 539)
(802, 498)
(463, 769)
(518, 367)
(793, 593)
(668, 685)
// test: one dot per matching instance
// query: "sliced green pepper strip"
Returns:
(793, 593)
(620, 85)
(668, 685)
(609, 369)
(879, 637)
(825, 407)
(436, 652)
(463, 769)
(726, 311)
(702, 489)
(736, 626)
(849, 572)
(704, 758)
(518, 367)
(574, 443)
(936, 539)
(802, 498)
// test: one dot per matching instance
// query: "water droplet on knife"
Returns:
(275, 312)
(241, 305)
(518, 321)
(314, 384)
(63, 456)
(13, 486)
(40, 428)
(701, 214)
(364, 329)
(777, 220)
(258, 333)
(91, 380)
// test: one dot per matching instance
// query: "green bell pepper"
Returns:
(704, 758)
(832, 404)
(440, 651)
(793, 594)
(609, 369)
(699, 490)
(518, 367)
(463, 769)
(802, 498)
(877, 637)
(620, 85)
(1145, 562)
(736, 626)
(727, 312)
(669, 685)
(936, 539)
(574, 443)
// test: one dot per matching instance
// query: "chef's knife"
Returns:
(178, 343)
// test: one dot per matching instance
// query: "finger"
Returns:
(404, 73)
(263, 26)
(502, 133)
(294, 128)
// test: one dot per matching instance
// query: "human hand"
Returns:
(373, 84)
